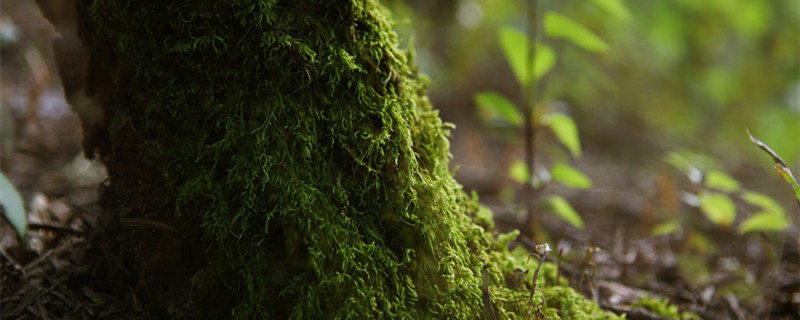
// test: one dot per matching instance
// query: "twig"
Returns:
(53, 227)
(42, 311)
(143, 223)
(57, 251)
(733, 304)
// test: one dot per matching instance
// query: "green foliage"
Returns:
(519, 172)
(516, 48)
(765, 203)
(718, 208)
(544, 61)
(570, 176)
(663, 308)
(780, 166)
(666, 228)
(573, 306)
(495, 107)
(559, 26)
(769, 217)
(719, 180)
(676, 67)
(11, 202)
(558, 300)
(714, 198)
(765, 221)
(504, 239)
(562, 209)
(565, 130)
(615, 8)
(680, 162)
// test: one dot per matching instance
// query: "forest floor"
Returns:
(52, 273)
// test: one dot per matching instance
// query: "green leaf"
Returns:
(559, 26)
(764, 221)
(562, 209)
(570, 176)
(615, 8)
(680, 162)
(771, 217)
(515, 47)
(718, 208)
(721, 181)
(786, 174)
(12, 203)
(666, 228)
(545, 60)
(565, 130)
(780, 165)
(519, 172)
(764, 202)
(493, 106)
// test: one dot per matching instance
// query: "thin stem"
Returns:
(529, 101)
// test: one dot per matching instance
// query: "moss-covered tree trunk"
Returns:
(290, 149)
(279, 159)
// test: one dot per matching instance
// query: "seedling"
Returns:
(530, 60)
(541, 255)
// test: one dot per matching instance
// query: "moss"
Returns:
(298, 142)
(663, 308)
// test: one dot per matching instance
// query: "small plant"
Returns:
(543, 248)
(714, 192)
(530, 62)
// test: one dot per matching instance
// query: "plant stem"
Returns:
(529, 101)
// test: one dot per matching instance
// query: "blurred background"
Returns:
(661, 112)
(683, 76)
(660, 92)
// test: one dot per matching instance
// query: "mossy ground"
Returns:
(298, 141)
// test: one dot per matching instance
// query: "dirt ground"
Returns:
(56, 272)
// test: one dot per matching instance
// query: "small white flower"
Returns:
(543, 248)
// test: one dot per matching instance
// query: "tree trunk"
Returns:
(277, 158)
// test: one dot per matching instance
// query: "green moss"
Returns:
(300, 141)
(663, 308)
